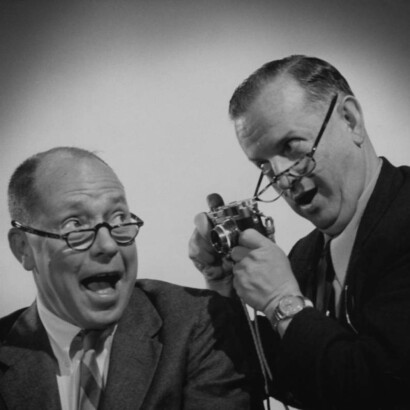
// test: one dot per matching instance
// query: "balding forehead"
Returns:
(60, 174)
(284, 92)
(62, 164)
(85, 185)
(280, 101)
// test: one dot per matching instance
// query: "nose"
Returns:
(278, 164)
(278, 167)
(287, 181)
(104, 242)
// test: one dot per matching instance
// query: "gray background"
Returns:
(146, 85)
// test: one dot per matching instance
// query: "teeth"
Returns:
(100, 283)
(100, 287)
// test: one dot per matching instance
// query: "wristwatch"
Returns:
(287, 307)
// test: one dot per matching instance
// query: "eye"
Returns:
(119, 218)
(266, 168)
(261, 165)
(72, 224)
(294, 148)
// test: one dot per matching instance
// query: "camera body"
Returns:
(230, 220)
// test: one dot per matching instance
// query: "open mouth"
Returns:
(102, 282)
(306, 197)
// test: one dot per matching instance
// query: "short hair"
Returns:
(317, 77)
(23, 198)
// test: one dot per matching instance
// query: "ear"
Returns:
(352, 115)
(21, 248)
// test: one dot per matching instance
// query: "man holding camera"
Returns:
(336, 332)
(95, 337)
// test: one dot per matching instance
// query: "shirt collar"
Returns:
(60, 332)
(61, 335)
(342, 245)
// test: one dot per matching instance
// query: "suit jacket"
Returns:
(174, 348)
(361, 360)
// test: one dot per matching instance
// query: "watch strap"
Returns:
(280, 313)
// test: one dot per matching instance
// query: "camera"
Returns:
(229, 220)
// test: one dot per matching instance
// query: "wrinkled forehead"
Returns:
(66, 181)
(282, 98)
(278, 106)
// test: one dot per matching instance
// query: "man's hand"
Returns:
(216, 270)
(262, 272)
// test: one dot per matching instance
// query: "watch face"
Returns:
(290, 305)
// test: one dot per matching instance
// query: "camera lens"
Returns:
(225, 236)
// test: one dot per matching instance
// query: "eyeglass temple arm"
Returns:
(18, 225)
(255, 195)
(324, 124)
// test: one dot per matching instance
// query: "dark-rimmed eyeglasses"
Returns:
(82, 239)
(303, 167)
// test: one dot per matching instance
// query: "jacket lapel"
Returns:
(135, 355)
(29, 381)
(386, 189)
(304, 260)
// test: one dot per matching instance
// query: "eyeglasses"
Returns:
(303, 167)
(82, 239)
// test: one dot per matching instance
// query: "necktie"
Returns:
(91, 382)
(325, 296)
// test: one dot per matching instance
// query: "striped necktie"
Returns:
(91, 381)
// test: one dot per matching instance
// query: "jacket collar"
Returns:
(134, 356)
(29, 380)
(387, 188)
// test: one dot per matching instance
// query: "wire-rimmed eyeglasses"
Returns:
(303, 167)
(82, 239)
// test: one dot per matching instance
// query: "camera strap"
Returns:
(257, 341)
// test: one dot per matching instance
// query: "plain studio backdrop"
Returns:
(146, 85)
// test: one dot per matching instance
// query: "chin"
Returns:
(310, 213)
(322, 222)
(330, 227)
(103, 318)
(100, 323)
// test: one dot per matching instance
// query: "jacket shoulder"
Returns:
(165, 290)
(7, 322)
(173, 299)
(304, 246)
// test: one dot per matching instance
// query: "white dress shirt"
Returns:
(342, 245)
(61, 335)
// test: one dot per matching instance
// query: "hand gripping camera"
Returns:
(229, 220)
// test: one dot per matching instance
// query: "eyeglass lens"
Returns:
(123, 235)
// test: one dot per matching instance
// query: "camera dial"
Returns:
(229, 220)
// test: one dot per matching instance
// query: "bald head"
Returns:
(23, 192)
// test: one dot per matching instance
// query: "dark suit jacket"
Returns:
(174, 348)
(362, 360)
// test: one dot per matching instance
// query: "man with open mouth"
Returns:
(337, 333)
(96, 337)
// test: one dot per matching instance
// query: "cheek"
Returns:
(66, 263)
(130, 258)
(62, 274)
(340, 161)
(330, 178)
(54, 255)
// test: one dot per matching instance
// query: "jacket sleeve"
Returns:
(362, 360)
(222, 367)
